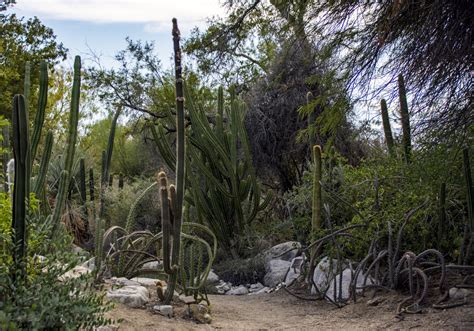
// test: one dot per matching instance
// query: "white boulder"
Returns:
(133, 296)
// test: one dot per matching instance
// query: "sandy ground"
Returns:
(281, 311)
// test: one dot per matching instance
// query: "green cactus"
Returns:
(317, 201)
(442, 212)
(103, 183)
(71, 146)
(387, 128)
(120, 183)
(5, 155)
(92, 191)
(40, 114)
(26, 93)
(405, 116)
(470, 195)
(20, 152)
(40, 179)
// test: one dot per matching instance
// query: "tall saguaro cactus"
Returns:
(387, 128)
(405, 116)
(20, 152)
(171, 222)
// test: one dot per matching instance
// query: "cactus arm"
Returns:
(469, 192)
(20, 152)
(39, 118)
(26, 93)
(71, 146)
(165, 221)
(386, 127)
(5, 156)
(48, 147)
(405, 116)
(317, 175)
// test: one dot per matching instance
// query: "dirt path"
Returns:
(280, 311)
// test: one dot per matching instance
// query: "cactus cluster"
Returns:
(219, 173)
(25, 151)
(405, 121)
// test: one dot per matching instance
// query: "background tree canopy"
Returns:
(21, 41)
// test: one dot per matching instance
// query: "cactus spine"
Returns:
(387, 128)
(405, 116)
(71, 145)
(20, 152)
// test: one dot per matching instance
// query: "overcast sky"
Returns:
(102, 25)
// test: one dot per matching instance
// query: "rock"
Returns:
(76, 272)
(323, 274)
(200, 313)
(165, 310)
(346, 283)
(375, 301)
(261, 291)
(153, 265)
(133, 296)
(89, 264)
(78, 250)
(122, 281)
(222, 288)
(255, 287)
(459, 293)
(295, 270)
(212, 278)
(187, 299)
(107, 328)
(238, 290)
(276, 271)
(284, 251)
(144, 281)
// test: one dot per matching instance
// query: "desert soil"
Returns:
(281, 311)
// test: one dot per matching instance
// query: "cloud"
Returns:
(154, 13)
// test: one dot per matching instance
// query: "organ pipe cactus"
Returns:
(20, 152)
(71, 145)
(26, 94)
(40, 179)
(405, 117)
(176, 194)
(469, 192)
(317, 176)
(40, 113)
(442, 213)
(387, 128)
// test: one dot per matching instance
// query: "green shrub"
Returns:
(119, 202)
(241, 271)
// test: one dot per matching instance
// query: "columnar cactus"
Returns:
(470, 194)
(20, 152)
(40, 179)
(71, 145)
(317, 201)
(5, 156)
(387, 128)
(171, 222)
(442, 212)
(405, 116)
(40, 113)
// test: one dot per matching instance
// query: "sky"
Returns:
(102, 25)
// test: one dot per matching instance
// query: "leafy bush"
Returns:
(119, 202)
(241, 271)
(42, 301)
(383, 189)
